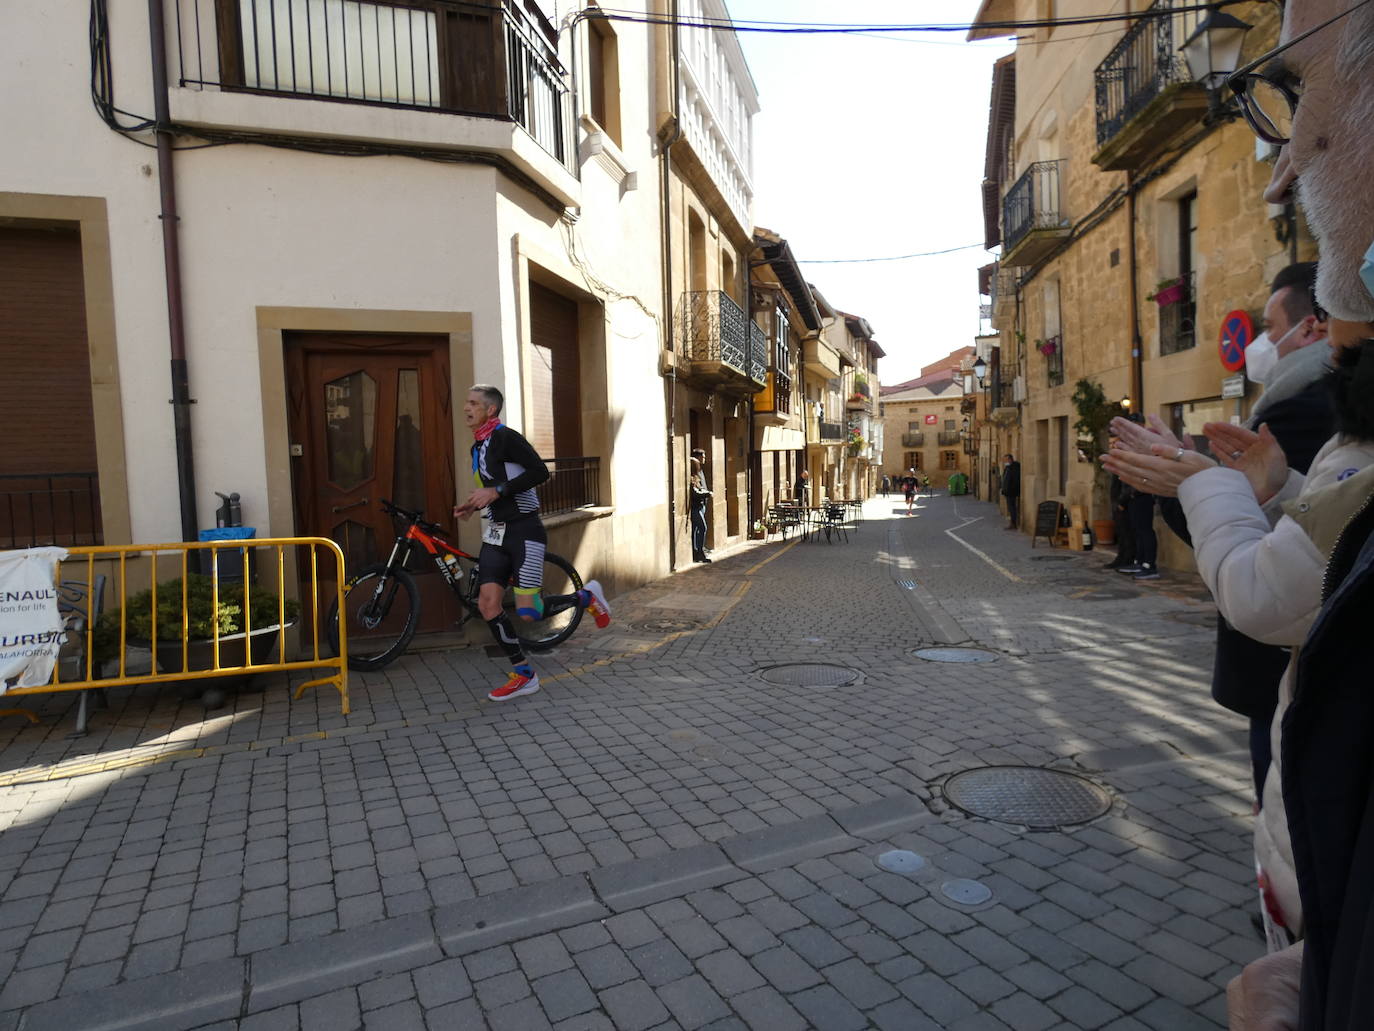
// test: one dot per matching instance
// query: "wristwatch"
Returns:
(500, 490)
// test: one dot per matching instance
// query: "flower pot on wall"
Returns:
(1169, 295)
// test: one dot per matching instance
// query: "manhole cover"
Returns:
(666, 626)
(1027, 795)
(966, 893)
(901, 861)
(954, 655)
(1195, 618)
(810, 674)
(1051, 558)
(1107, 594)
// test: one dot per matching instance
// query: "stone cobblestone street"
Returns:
(666, 837)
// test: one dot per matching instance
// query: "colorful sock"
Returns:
(525, 670)
(504, 634)
(529, 603)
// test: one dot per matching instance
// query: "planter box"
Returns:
(1169, 295)
(200, 654)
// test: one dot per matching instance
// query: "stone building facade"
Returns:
(924, 422)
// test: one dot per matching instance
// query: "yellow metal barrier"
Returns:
(221, 649)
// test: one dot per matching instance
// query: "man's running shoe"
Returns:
(517, 685)
(1146, 573)
(598, 606)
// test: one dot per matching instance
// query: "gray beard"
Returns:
(1341, 216)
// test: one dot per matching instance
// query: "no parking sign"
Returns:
(1236, 333)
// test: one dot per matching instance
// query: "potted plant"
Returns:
(1047, 347)
(1168, 291)
(855, 441)
(236, 648)
(1095, 412)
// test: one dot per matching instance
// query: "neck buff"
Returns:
(1352, 390)
(487, 428)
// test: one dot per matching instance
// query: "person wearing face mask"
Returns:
(1296, 406)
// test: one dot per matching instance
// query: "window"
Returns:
(1052, 344)
(911, 460)
(949, 460)
(1061, 425)
(914, 426)
(949, 423)
(1177, 299)
(603, 77)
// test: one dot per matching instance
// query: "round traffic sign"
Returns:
(1236, 333)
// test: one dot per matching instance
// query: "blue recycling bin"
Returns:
(230, 559)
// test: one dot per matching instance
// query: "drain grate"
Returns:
(907, 585)
(1051, 558)
(666, 625)
(810, 674)
(954, 655)
(1030, 796)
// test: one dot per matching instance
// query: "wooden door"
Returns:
(373, 418)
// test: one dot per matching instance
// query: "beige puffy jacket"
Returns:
(1267, 581)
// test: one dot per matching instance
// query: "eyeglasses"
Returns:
(1269, 102)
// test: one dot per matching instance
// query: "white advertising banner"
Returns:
(30, 623)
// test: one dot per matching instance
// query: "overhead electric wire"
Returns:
(842, 28)
(894, 257)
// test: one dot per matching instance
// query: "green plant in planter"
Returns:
(1095, 413)
(202, 613)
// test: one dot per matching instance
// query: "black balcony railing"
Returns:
(1032, 203)
(49, 508)
(573, 483)
(830, 431)
(488, 59)
(949, 438)
(1140, 66)
(1178, 316)
(913, 440)
(758, 354)
(715, 329)
(1054, 361)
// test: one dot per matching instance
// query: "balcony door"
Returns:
(371, 418)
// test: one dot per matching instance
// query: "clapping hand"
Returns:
(1258, 455)
(1131, 436)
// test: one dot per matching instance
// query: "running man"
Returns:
(506, 470)
(909, 489)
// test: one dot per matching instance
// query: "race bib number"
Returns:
(493, 532)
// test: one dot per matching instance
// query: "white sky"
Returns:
(869, 147)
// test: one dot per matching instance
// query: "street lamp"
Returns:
(1125, 403)
(1213, 53)
(980, 369)
(965, 426)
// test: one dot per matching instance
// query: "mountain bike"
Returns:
(382, 601)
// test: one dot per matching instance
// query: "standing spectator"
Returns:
(802, 491)
(909, 489)
(1141, 510)
(1120, 495)
(887, 484)
(1011, 490)
(699, 502)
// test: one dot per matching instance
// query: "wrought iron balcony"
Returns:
(913, 440)
(484, 58)
(716, 341)
(949, 438)
(1177, 316)
(573, 483)
(1144, 92)
(1033, 219)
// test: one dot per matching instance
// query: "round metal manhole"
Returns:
(965, 892)
(1195, 618)
(901, 860)
(666, 626)
(1030, 796)
(954, 655)
(810, 674)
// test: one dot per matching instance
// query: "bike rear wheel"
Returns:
(381, 610)
(562, 613)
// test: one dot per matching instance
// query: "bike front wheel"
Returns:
(562, 613)
(381, 609)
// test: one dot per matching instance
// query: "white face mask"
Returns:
(1260, 358)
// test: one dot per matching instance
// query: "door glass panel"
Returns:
(358, 543)
(408, 490)
(350, 416)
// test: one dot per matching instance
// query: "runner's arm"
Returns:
(518, 450)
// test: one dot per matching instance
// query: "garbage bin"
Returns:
(230, 559)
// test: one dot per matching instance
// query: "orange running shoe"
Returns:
(514, 687)
(599, 607)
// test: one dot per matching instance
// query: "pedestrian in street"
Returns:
(887, 484)
(802, 490)
(909, 489)
(1011, 489)
(506, 469)
(1120, 495)
(698, 503)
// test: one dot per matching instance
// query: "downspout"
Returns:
(666, 141)
(750, 486)
(171, 253)
(1137, 358)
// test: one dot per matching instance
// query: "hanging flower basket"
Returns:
(1046, 347)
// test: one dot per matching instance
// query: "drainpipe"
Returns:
(171, 253)
(666, 142)
(1137, 358)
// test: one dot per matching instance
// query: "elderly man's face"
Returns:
(1331, 150)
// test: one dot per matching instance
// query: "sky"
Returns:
(873, 146)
